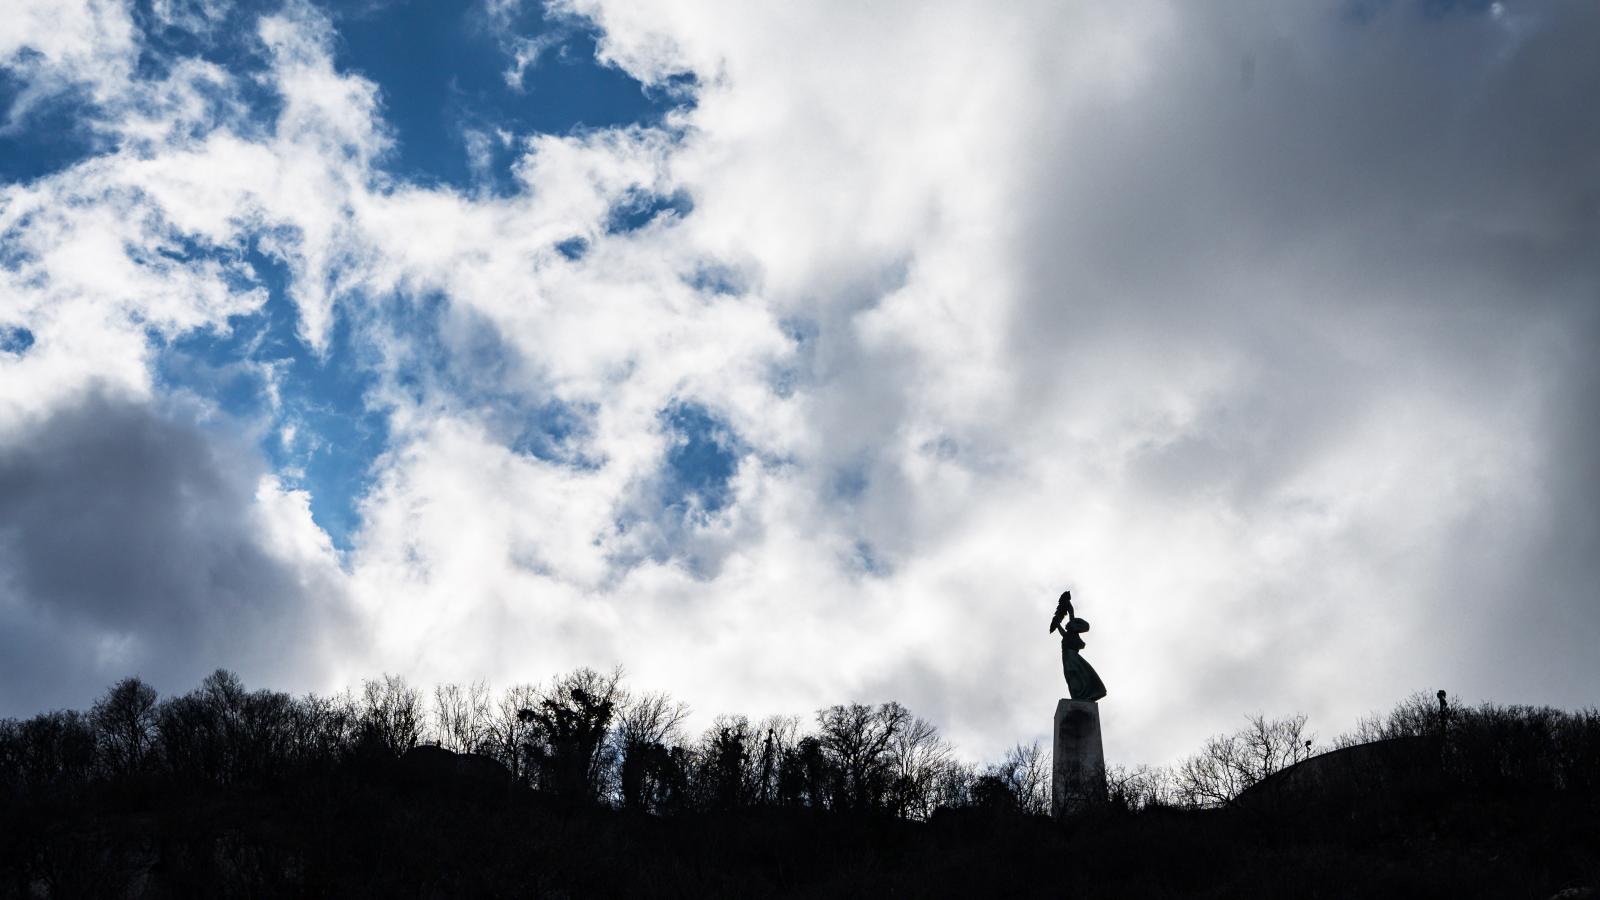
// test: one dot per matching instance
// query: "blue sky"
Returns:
(441, 73)
(442, 70)
(803, 353)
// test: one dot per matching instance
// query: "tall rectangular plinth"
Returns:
(1079, 774)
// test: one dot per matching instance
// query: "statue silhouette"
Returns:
(1083, 682)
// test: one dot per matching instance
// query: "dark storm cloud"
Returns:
(1355, 217)
(1402, 162)
(130, 542)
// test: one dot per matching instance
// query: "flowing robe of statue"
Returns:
(1083, 682)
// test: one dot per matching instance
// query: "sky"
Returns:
(796, 354)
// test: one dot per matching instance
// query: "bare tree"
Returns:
(220, 732)
(509, 732)
(221, 696)
(1024, 772)
(778, 736)
(856, 738)
(646, 729)
(125, 724)
(1230, 764)
(1140, 787)
(953, 789)
(1215, 775)
(53, 748)
(1271, 745)
(461, 716)
(389, 715)
(262, 735)
(190, 737)
(918, 758)
(319, 730)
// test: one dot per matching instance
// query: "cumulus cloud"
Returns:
(1237, 321)
(1263, 328)
(132, 541)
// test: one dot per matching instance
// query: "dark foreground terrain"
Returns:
(579, 789)
(372, 832)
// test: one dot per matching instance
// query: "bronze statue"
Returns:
(1083, 683)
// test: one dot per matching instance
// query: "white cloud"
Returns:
(525, 53)
(1087, 309)
(59, 45)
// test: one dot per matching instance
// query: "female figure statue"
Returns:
(1083, 683)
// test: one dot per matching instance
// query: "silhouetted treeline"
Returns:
(582, 787)
(583, 738)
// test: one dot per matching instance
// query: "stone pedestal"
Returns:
(1079, 773)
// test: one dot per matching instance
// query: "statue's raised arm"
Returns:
(1063, 610)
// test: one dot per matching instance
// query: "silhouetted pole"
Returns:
(1444, 724)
